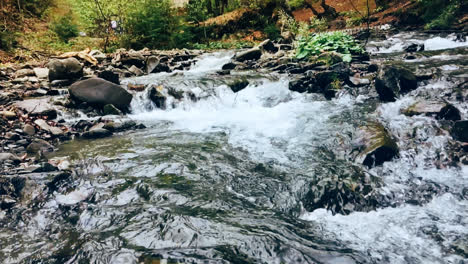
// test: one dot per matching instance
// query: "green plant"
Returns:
(7, 40)
(342, 43)
(152, 25)
(440, 14)
(65, 28)
(318, 24)
(272, 32)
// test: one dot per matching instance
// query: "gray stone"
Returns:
(157, 97)
(8, 156)
(110, 109)
(39, 146)
(41, 73)
(38, 107)
(24, 72)
(97, 133)
(29, 130)
(441, 110)
(251, 54)
(392, 82)
(135, 70)
(44, 126)
(67, 69)
(97, 91)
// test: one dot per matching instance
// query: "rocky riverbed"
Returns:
(250, 157)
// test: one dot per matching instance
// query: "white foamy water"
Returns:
(398, 43)
(402, 234)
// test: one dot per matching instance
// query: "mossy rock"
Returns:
(375, 145)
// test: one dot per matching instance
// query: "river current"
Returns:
(223, 179)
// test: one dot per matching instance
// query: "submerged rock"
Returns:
(97, 91)
(39, 146)
(343, 190)
(375, 145)
(67, 69)
(392, 82)
(460, 131)
(238, 85)
(97, 133)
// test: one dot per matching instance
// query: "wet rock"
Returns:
(109, 76)
(45, 167)
(374, 145)
(97, 91)
(136, 87)
(229, 66)
(41, 73)
(67, 69)
(343, 190)
(238, 85)
(110, 109)
(157, 97)
(414, 47)
(460, 131)
(392, 82)
(97, 133)
(151, 63)
(441, 110)
(268, 46)
(29, 130)
(39, 146)
(135, 70)
(251, 54)
(9, 156)
(44, 126)
(8, 115)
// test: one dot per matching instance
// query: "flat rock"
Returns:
(41, 73)
(440, 110)
(44, 126)
(38, 107)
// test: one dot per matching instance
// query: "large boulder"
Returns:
(251, 54)
(375, 145)
(67, 69)
(392, 82)
(99, 92)
(460, 131)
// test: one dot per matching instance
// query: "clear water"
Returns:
(223, 180)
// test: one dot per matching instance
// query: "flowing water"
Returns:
(223, 179)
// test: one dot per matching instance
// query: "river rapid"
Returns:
(225, 178)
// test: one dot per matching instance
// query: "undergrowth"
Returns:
(316, 44)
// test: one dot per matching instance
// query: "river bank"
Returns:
(239, 156)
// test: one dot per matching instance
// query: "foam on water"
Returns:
(402, 234)
(398, 43)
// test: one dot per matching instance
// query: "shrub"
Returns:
(272, 32)
(7, 40)
(319, 25)
(65, 28)
(440, 14)
(342, 43)
(152, 25)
